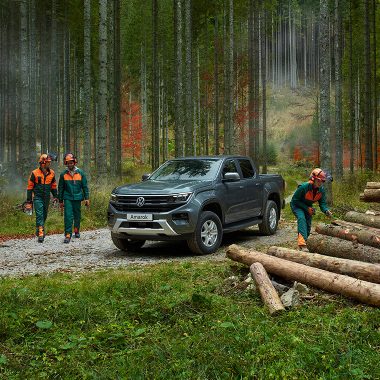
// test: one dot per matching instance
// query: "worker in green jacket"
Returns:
(41, 183)
(302, 204)
(72, 190)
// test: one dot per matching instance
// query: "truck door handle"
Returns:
(241, 187)
(258, 184)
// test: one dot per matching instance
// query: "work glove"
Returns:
(311, 211)
(87, 202)
(329, 214)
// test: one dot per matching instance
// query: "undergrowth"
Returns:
(176, 321)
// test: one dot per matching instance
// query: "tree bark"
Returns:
(352, 234)
(216, 88)
(24, 157)
(362, 291)
(189, 127)
(324, 84)
(267, 290)
(117, 87)
(332, 246)
(368, 159)
(367, 220)
(358, 269)
(87, 86)
(338, 92)
(102, 93)
(179, 117)
(373, 185)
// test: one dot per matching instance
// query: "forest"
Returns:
(144, 81)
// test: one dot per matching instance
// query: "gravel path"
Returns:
(95, 250)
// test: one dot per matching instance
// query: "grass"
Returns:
(176, 321)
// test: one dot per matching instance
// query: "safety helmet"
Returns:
(318, 173)
(69, 157)
(44, 158)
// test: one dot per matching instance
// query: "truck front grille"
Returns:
(153, 204)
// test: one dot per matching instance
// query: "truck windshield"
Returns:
(195, 170)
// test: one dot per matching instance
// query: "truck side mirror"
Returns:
(231, 177)
(145, 176)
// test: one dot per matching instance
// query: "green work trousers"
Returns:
(41, 206)
(72, 214)
(303, 221)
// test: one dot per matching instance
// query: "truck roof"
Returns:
(220, 157)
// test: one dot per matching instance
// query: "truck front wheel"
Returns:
(125, 244)
(270, 219)
(208, 234)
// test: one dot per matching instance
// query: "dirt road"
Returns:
(95, 250)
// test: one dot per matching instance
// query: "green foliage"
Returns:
(177, 321)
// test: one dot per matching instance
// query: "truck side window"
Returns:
(229, 167)
(246, 168)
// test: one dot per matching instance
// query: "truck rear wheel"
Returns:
(270, 219)
(126, 244)
(208, 234)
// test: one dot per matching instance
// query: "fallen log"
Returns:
(352, 234)
(344, 223)
(367, 220)
(358, 269)
(370, 195)
(335, 283)
(373, 185)
(267, 290)
(332, 246)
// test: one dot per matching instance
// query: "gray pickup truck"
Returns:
(196, 199)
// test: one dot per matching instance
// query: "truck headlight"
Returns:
(113, 197)
(182, 197)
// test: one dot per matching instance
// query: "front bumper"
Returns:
(163, 226)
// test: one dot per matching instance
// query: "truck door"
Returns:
(253, 188)
(232, 194)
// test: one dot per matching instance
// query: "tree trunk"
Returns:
(117, 87)
(216, 88)
(33, 82)
(67, 90)
(189, 127)
(87, 87)
(111, 86)
(368, 161)
(24, 74)
(267, 290)
(179, 114)
(156, 92)
(338, 92)
(367, 220)
(264, 90)
(362, 291)
(332, 246)
(102, 92)
(54, 84)
(351, 96)
(358, 269)
(375, 100)
(365, 237)
(324, 88)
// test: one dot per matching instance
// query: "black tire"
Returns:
(126, 244)
(270, 219)
(208, 234)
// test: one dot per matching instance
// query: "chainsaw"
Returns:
(26, 207)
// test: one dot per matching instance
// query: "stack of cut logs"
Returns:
(371, 192)
(344, 258)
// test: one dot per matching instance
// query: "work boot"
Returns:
(303, 248)
(41, 234)
(67, 239)
(76, 233)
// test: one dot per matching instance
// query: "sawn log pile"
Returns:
(343, 258)
(371, 192)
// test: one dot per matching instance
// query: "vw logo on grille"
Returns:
(140, 201)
